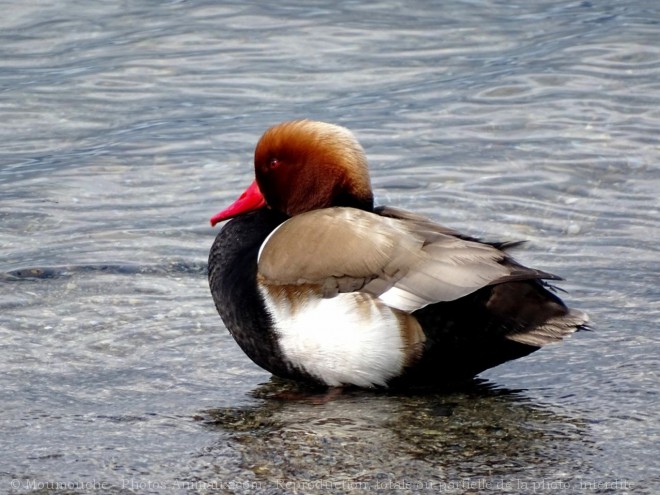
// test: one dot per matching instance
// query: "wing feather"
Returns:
(405, 259)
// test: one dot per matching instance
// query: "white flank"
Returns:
(349, 339)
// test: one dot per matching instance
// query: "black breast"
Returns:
(232, 279)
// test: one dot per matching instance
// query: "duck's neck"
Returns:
(352, 201)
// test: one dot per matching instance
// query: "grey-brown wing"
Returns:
(408, 262)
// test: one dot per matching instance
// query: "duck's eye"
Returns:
(273, 163)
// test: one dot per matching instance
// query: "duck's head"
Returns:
(305, 165)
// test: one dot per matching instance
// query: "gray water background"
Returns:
(125, 125)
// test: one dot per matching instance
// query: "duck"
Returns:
(317, 284)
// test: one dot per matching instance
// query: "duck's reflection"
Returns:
(478, 431)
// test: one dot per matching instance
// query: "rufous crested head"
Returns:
(305, 165)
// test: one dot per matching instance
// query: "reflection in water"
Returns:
(359, 439)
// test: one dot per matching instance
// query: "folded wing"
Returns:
(406, 260)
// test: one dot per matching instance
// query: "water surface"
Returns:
(124, 127)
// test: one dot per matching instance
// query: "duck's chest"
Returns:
(232, 273)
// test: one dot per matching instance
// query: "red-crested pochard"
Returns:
(316, 284)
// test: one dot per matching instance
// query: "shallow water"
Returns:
(124, 127)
